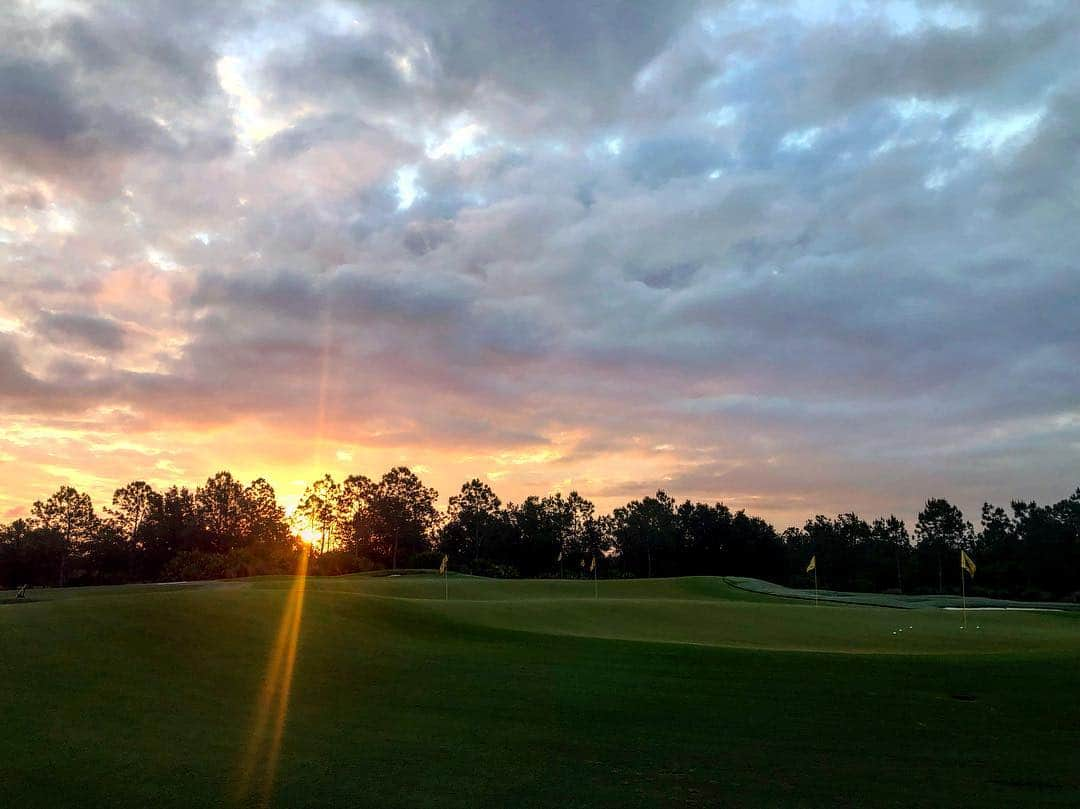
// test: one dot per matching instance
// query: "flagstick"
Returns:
(595, 581)
(815, 586)
(963, 593)
(446, 586)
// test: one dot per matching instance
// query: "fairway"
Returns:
(531, 693)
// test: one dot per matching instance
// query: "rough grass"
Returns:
(664, 692)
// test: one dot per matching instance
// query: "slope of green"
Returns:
(907, 602)
(669, 692)
(473, 588)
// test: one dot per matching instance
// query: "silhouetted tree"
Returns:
(29, 554)
(71, 515)
(706, 532)
(227, 529)
(542, 528)
(477, 528)
(395, 519)
(177, 528)
(262, 520)
(133, 508)
(1050, 542)
(940, 533)
(219, 511)
(320, 506)
(893, 544)
(589, 535)
(355, 499)
(760, 549)
(646, 536)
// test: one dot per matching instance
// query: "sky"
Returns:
(799, 257)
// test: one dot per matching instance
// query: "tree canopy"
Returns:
(225, 528)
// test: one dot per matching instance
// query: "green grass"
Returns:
(532, 693)
(906, 602)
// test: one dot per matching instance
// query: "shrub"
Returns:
(494, 570)
(426, 560)
(339, 563)
(195, 566)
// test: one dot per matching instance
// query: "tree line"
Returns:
(225, 529)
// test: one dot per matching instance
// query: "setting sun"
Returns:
(308, 535)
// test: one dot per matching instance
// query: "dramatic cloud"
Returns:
(796, 256)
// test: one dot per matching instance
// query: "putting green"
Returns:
(528, 693)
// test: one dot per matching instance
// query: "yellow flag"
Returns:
(967, 563)
(813, 563)
(442, 567)
(592, 567)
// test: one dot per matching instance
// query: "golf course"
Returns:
(419, 690)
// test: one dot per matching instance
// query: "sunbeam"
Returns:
(259, 764)
(324, 380)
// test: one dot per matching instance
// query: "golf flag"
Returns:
(442, 567)
(813, 563)
(560, 557)
(967, 563)
(592, 567)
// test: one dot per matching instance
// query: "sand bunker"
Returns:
(1007, 609)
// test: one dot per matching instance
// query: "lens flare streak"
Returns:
(259, 765)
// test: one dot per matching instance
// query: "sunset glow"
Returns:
(321, 240)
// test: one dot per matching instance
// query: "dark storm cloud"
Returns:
(84, 330)
(376, 315)
(806, 259)
(36, 102)
(856, 66)
(562, 58)
(78, 93)
(49, 124)
(163, 40)
(68, 387)
(15, 382)
(362, 66)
